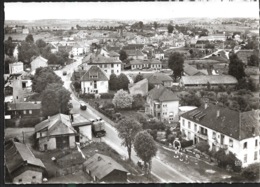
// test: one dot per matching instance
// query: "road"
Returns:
(162, 171)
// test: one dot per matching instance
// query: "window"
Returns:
(30, 111)
(256, 142)
(105, 65)
(112, 65)
(214, 135)
(195, 127)
(245, 145)
(20, 180)
(117, 71)
(189, 124)
(33, 177)
(24, 112)
(183, 122)
(230, 142)
(255, 156)
(245, 158)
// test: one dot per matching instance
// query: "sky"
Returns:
(129, 10)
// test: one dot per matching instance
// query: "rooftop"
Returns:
(93, 73)
(161, 93)
(24, 106)
(212, 79)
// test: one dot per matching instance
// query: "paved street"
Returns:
(159, 169)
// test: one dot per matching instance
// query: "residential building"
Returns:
(53, 47)
(159, 54)
(38, 62)
(203, 81)
(140, 87)
(24, 109)
(56, 132)
(222, 128)
(94, 80)
(163, 104)
(21, 165)
(108, 64)
(159, 79)
(15, 68)
(103, 168)
(191, 71)
(26, 31)
(136, 55)
(146, 64)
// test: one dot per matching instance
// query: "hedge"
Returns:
(107, 95)
(185, 143)
(87, 96)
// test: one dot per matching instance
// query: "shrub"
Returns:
(185, 143)
(228, 159)
(202, 146)
(122, 99)
(108, 104)
(252, 172)
(87, 96)
(107, 95)
(138, 101)
(153, 133)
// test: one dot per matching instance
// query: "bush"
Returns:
(108, 104)
(153, 133)
(202, 146)
(252, 172)
(185, 143)
(225, 160)
(107, 96)
(87, 96)
(138, 101)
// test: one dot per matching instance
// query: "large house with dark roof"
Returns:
(158, 79)
(226, 129)
(102, 168)
(146, 64)
(24, 109)
(21, 165)
(163, 104)
(93, 80)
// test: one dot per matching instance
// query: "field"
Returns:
(36, 36)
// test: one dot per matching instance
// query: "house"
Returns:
(103, 168)
(94, 80)
(146, 64)
(201, 44)
(136, 55)
(38, 62)
(191, 71)
(66, 48)
(108, 64)
(225, 129)
(254, 74)
(244, 55)
(15, 68)
(203, 81)
(159, 54)
(159, 79)
(133, 47)
(24, 109)
(163, 104)
(140, 87)
(22, 167)
(25, 31)
(56, 132)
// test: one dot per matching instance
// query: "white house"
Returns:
(224, 128)
(94, 80)
(38, 62)
(15, 68)
(163, 104)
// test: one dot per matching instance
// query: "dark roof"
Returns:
(99, 59)
(157, 78)
(161, 93)
(94, 73)
(230, 122)
(150, 61)
(134, 52)
(18, 154)
(100, 166)
(212, 79)
(113, 54)
(24, 106)
(65, 48)
(133, 46)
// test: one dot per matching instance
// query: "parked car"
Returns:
(83, 106)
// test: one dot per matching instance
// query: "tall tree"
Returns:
(43, 77)
(155, 25)
(40, 43)
(27, 51)
(127, 129)
(113, 81)
(123, 82)
(253, 60)
(175, 63)
(9, 46)
(123, 55)
(122, 99)
(170, 28)
(29, 38)
(141, 25)
(236, 67)
(145, 148)
(138, 78)
(55, 99)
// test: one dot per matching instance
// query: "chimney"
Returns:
(218, 113)
(99, 158)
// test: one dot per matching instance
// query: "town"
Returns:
(93, 101)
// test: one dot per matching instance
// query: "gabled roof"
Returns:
(157, 78)
(24, 106)
(79, 120)
(94, 73)
(61, 121)
(212, 79)
(99, 59)
(134, 52)
(113, 54)
(39, 58)
(161, 93)
(17, 154)
(231, 123)
(133, 47)
(190, 70)
(100, 166)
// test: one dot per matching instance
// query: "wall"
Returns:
(102, 86)
(172, 107)
(72, 141)
(27, 177)
(85, 130)
(51, 143)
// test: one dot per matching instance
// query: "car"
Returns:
(64, 73)
(83, 106)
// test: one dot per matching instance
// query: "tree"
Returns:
(254, 60)
(55, 99)
(138, 101)
(170, 28)
(43, 77)
(190, 99)
(122, 99)
(27, 51)
(123, 82)
(9, 46)
(52, 59)
(141, 25)
(252, 172)
(236, 67)
(127, 129)
(145, 148)
(226, 159)
(123, 55)
(175, 63)
(40, 43)
(202, 146)
(77, 86)
(29, 38)
(113, 82)
(155, 25)
(8, 60)
(138, 78)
